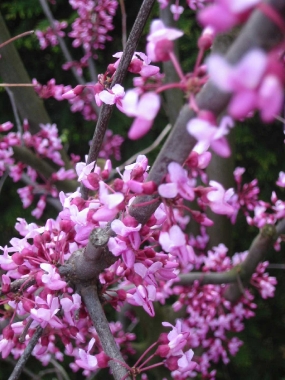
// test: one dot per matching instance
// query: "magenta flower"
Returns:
(6, 126)
(143, 108)
(160, 41)
(179, 183)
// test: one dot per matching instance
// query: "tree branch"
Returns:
(256, 253)
(106, 110)
(26, 354)
(97, 315)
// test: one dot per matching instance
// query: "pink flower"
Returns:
(281, 180)
(144, 296)
(110, 203)
(185, 362)
(208, 135)
(255, 83)
(179, 183)
(47, 314)
(6, 126)
(144, 109)
(87, 361)
(52, 278)
(177, 10)
(177, 337)
(174, 242)
(219, 198)
(224, 14)
(112, 96)
(140, 64)
(160, 41)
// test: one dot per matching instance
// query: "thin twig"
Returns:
(3, 179)
(60, 369)
(16, 38)
(17, 85)
(276, 266)
(26, 371)
(15, 111)
(26, 354)
(149, 149)
(106, 110)
(124, 23)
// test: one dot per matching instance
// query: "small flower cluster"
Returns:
(91, 29)
(45, 144)
(49, 36)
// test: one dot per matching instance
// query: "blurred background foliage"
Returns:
(259, 148)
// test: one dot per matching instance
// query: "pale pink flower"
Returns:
(224, 14)
(143, 108)
(255, 83)
(177, 10)
(47, 314)
(160, 41)
(112, 96)
(87, 361)
(177, 337)
(6, 126)
(281, 180)
(218, 199)
(52, 278)
(209, 135)
(144, 296)
(140, 64)
(185, 362)
(179, 183)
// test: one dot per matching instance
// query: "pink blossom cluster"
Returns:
(45, 144)
(91, 28)
(49, 36)
(44, 299)
(177, 9)
(258, 213)
(149, 261)
(83, 103)
(138, 103)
